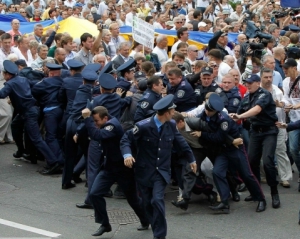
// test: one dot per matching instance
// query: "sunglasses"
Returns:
(214, 66)
(22, 12)
(195, 50)
(179, 22)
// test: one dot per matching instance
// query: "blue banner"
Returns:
(290, 3)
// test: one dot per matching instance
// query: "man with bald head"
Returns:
(279, 55)
(60, 56)
(241, 38)
(225, 66)
(237, 79)
(15, 26)
(100, 59)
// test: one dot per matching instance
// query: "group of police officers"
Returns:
(122, 130)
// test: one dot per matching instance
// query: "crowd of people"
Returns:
(212, 121)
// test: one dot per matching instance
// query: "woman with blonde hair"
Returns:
(284, 41)
(33, 45)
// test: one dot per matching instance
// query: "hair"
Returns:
(36, 26)
(5, 36)
(178, 54)
(200, 64)
(12, 57)
(58, 37)
(178, 117)
(175, 71)
(153, 80)
(51, 11)
(207, 21)
(265, 70)
(160, 37)
(40, 47)
(33, 43)
(197, 13)
(294, 37)
(48, 60)
(85, 36)
(265, 58)
(148, 18)
(101, 111)
(65, 39)
(256, 61)
(181, 31)
(284, 39)
(181, 45)
(21, 38)
(122, 44)
(148, 68)
(170, 64)
(216, 53)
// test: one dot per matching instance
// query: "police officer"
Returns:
(68, 90)
(154, 138)
(127, 75)
(230, 157)
(233, 97)
(150, 97)
(109, 131)
(184, 95)
(74, 134)
(46, 93)
(18, 90)
(260, 108)
(207, 85)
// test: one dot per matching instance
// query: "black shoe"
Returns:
(159, 238)
(221, 208)
(242, 187)
(109, 194)
(101, 230)
(18, 154)
(31, 158)
(235, 196)
(68, 185)
(275, 201)
(212, 198)
(84, 206)
(118, 193)
(182, 204)
(52, 169)
(261, 206)
(76, 178)
(143, 227)
(249, 198)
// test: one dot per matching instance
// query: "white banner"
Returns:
(143, 32)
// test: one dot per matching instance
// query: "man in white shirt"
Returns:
(22, 51)
(160, 49)
(70, 3)
(238, 12)
(192, 54)
(131, 14)
(160, 22)
(183, 36)
(6, 48)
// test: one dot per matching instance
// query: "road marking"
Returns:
(28, 228)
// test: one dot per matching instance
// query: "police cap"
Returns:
(127, 66)
(92, 67)
(142, 84)
(53, 67)
(214, 103)
(107, 81)
(165, 103)
(73, 64)
(21, 62)
(10, 67)
(252, 78)
(294, 28)
(108, 68)
(89, 75)
(206, 71)
(139, 76)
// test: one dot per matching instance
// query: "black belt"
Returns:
(262, 129)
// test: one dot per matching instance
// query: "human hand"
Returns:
(129, 161)
(75, 138)
(86, 113)
(194, 167)
(281, 125)
(196, 133)
(119, 91)
(237, 142)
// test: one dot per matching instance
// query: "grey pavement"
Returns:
(37, 201)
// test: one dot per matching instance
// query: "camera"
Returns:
(183, 70)
(293, 52)
(158, 6)
(278, 14)
(102, 26)
(174, 6)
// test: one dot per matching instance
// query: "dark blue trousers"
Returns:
(235, 160)
(154, 204)
(103, 182)
(52, 119)
(33, 130)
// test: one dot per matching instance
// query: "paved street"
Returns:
(34, 206)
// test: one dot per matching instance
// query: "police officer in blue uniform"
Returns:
(73, 132)
(233, 97)
(259, 107)
(46, 93)
(18, 90)
(230, 157)
(206, 85)
(109, 132)
(68, 90)
(184, 95)
(151, 96)
(127, 75)
(154, 138)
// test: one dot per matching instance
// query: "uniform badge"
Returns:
(236, 102)
(135, 129)
(146, 96)
(109, 127)
(144, 104)
(261, 96)
(197, 92)
(183, 83)
(218, 90)
(224, 126)
(180, 93)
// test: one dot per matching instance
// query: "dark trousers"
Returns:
(103, 181)
(93, 165)
(234, 159)
(262, 145)
(52, 119)
(71, 149)
(62, 127)
(31, 126)
(154, 204)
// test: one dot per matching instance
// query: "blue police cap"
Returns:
(127, 66)
(143, 84)
(78, 5)
(108, 68)
(252, 78)
(282, 32)
(107, 81)
(165, 103)
(10, 67)
(214, 103)
(74, 63)
(21, 62)
(294, 28)
(139, 76)
(89, 75)
(53, 67)
(92, 67)
(207, 71)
